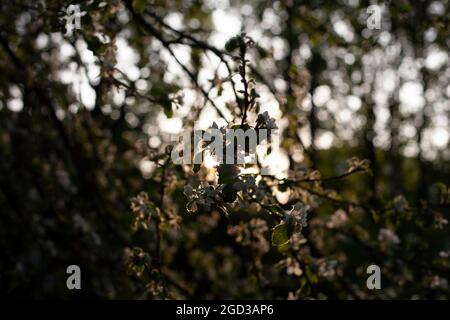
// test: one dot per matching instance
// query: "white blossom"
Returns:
(388, 236)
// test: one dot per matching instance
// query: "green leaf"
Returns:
(168, 112)
(232, 44)
(284, 248)
(280, 235)
(95, 45)
(161, 91)
(139, 5)
(140, 268)
(375, 216)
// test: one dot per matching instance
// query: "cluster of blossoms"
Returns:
(249, 187)
(293, 223)
(221, 141)
(137, 261)
(297, 217)
(292, 266)
(264, 121)
(143, 210)
(204, 196)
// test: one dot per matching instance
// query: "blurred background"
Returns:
(85, 114)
